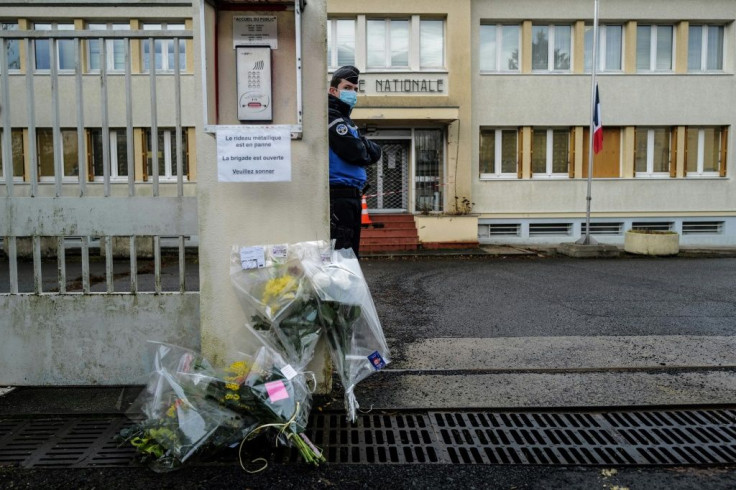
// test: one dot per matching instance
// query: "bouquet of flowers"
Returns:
(180, 419)
(348, 315)
(189, 406)
(274, 393)
(279, 301)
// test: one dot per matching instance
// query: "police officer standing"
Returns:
(349, 154)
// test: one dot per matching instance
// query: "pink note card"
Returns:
(276, 391)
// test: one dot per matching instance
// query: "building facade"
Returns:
(510, 107)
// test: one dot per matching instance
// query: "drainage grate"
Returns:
(63, 442)
(612, 438)
(375, 438)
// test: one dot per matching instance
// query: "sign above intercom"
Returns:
(255, 30)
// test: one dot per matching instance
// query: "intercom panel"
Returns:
(255, 95)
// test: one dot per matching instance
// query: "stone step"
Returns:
(387, 233)
(394, 232)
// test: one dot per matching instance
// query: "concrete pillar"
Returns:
(251, 213)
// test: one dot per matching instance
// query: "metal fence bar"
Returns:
(179, 160)
(85, 265)
(32, 143)
(157, 263)
(37, 273)
(58, 155)
(105, 123)
(177, 103)
(182, 266)
(7, 130)
(154, 118)
(133, 266)
(81, 164)
(61, 264)
(11, 248)
(109, 264)
(129, 121)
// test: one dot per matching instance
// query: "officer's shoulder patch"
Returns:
(341, 129)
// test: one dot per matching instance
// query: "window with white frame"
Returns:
(167, 153)
(387, 43)
(118, 145)
(499, 47)
(66, 55)
(610, 47)
(705, 48)
(652, 152)
(654, 47)
(16, 152)
(550, 152)
(164, 52)
(703, 151)
(45, 153)
(341, 42)
(498, 153)
(551, 47)
(413, 43)
(12, 48)
(114, 49)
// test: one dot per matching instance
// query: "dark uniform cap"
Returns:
(348, 72)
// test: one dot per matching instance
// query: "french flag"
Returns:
(597, 124)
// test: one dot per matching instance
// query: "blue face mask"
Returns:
(350, 97)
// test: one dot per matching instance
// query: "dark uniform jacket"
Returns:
(349, 151)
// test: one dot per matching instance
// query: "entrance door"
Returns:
(388, 179)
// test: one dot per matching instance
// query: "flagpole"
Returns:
(587, 239)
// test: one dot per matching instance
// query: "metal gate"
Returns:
(93, 198)
(388, 179)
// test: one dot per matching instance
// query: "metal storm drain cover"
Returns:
(681, 437)
(601, 438)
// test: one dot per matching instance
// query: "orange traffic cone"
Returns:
(365, 219)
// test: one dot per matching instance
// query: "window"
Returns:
(654, 48)
(499, 48)
(609, 47)
(65, 52)
(12, 47)
(652, 152)
(16, 150)
(550, 152)
(341, 42)
(114, 49)
(167, 153)
(164, 49)
(413, 43)
(431, 43)
(498, 153)
(69, 153)
(387, 43)
(118, 154)
(429, 148)
(705, 48)
(703, 151)
(551, 47)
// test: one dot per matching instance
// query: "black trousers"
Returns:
(345, 215)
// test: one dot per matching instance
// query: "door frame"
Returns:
(403, 133)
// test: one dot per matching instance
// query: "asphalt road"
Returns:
(545, 297)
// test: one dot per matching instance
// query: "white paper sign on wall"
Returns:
(253, 154)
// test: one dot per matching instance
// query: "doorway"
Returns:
(388, 178)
